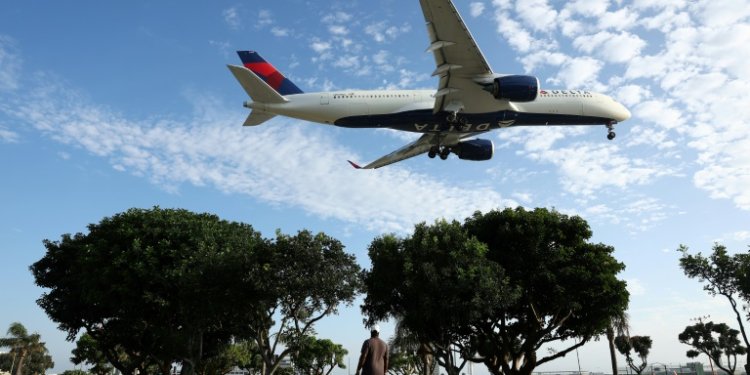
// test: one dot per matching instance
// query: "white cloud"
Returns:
(382, 32)
(580, 72)
(7, 136)
(10, 64)
(538, 14)
(618, 48)
(280, 31)
(232, 18)
(294, 166)
(589, 8)
(338, 30)
(320, 46)
(264, 19)
(635, 287)
(476, 9)
(337, 17)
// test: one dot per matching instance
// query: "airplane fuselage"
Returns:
(412, 110)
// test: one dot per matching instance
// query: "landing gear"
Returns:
(433, 151)
(452, 117)
(442, 151)
(611, 131)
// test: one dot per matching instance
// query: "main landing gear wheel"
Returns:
(433, 152)
(611, 135)
(444, 153)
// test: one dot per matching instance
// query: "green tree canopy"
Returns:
(717, 341)
(307, 278)
(724, 275)
(437, 282)
(318, 356)
(500, 287)
(640, 345)
(87, 352)
(570, 286)
(159, 285)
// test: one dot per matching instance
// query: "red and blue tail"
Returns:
(269, 74)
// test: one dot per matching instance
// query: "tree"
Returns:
(74, 372)
(571, 290)
(307, 277)
(716, 341)
(28, 354)
(438, 283)
(154, 286)
(641, 345)
(618, 326)
(319, 356)
(724, 275)
(87, 351)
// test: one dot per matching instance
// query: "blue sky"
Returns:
(104, 107)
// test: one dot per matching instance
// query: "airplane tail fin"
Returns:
(255, 87)
(267, 72)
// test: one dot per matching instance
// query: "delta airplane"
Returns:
(470, 98)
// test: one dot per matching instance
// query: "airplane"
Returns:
(470, 98)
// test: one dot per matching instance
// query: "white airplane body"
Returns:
(470, 99)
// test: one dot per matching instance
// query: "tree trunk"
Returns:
(612, 354)
(21, 359)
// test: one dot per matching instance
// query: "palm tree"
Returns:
(22, 346)
(619, 325)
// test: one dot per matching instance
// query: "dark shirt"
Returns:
(375, 351)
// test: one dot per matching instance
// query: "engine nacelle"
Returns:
(515, 88)
(475, 149)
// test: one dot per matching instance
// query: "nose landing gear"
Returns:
(611, 131)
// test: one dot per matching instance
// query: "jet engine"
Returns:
(475, 149)
(515, 88)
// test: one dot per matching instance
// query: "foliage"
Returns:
(87, 351)
(156, 285)
(74, 372)
(641, 345)
(570, 286)
(717, 341)
(319, 357)
(307, 277)
(724, 275)
(499, 288)
(437, 283)
(27, 355)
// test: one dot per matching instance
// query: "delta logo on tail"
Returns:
(267, 72)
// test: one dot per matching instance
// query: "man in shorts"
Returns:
(374, 357)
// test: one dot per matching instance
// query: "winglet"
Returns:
(354, 164)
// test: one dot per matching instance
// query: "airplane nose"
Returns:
(621, 113)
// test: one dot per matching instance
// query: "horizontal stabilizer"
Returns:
(255, 87)
(257, 117)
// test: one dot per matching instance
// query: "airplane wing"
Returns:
(458, 59)
(420, 146)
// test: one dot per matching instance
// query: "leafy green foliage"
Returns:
(437, 282)
(497, 288)
(717, 341)
(27, 355)
(723, 275)
(307, 277)
(87, 351)
(158, 285)
(641, 345)
(319, 356)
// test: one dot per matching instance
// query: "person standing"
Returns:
(373, 359)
